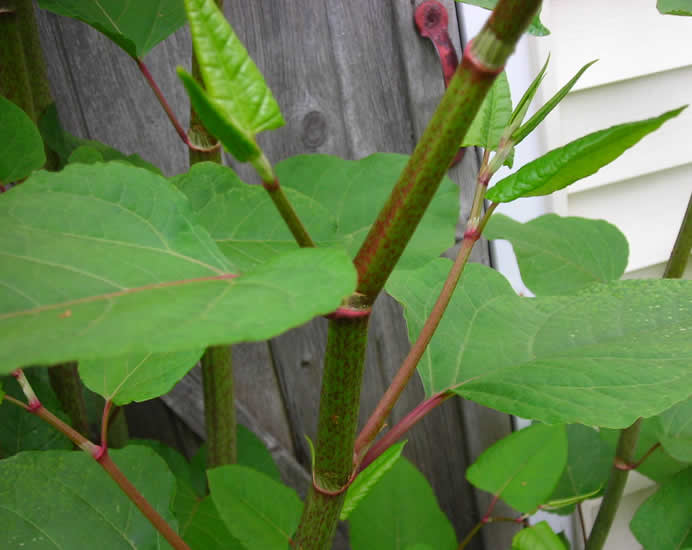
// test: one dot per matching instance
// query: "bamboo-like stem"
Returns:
(401, 427)
(219, 406)
(217, 366)
(336, 431)
(101, 456)
(472, 533)
(271, 184)
(483, 59)
(682, 247)
(627, 444)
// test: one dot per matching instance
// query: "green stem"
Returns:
(219, 408)
(483, 59)
(64, 379)
(336, 431)
(682, 247)
(627, 444)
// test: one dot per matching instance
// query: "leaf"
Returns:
(137, 376)
(538, 537)
(524, 467)
(589, 461)
(336, 199)
(582, 157)
(94, 151)
(674, 7)
(675, 430)
(664, 521)
(492, 117)
(134, 26)
(235, 88)
(63, 499)
(604, 357)
(205, 530)
(21, 431)
(523, 106)
(108, 259)
(536, 28)
(659, 465)
(21, 148)
(369, 477)
(563, 255)
(400, 511)
(545, 110)
(261, 513)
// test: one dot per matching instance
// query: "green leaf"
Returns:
(492, 118)
(537, 537)
(108, 259)
(675, 7)
(63, 499)
(589, 461)
(261, 513)
(336, 199)
(235, 88)
(523, 106)
(21, 148)
(93, 151)
(544, 111)
(205, 530)
(228, 131)
(604, 357)
(664, 521)
(134, 26)
(536, 28)
(659, 466)
(137, 376)
(21, 431)
(369, 477)
(253, 454)
(582, 157)
(400, 511)
(524, 467)
(563, 255)
(675, 430)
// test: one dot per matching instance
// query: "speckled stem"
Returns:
(483, 59)
(336, 431)
(681, 249)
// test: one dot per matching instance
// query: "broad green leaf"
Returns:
(107, 259)
(400, 511)
(235, 88)
(536, 27)
(563, 255)
(664, 521)
(675, 7)
(205, 530)
(137, 376)
(419, 546)
(94, 151)
(524, 467)
(21, 431)
(675, 430)
(582, 157)
(336, 199)
(492, 118)
(63, 499)
(21, 148)
(659, 465)
(544, 111)
(134, 26)
(538, 537)
(603, 357)
(261, 513)
(589, 461)
(369, 477)
(523, 106)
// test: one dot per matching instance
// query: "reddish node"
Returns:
(34, 405)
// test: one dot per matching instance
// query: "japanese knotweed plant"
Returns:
(137, 277)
